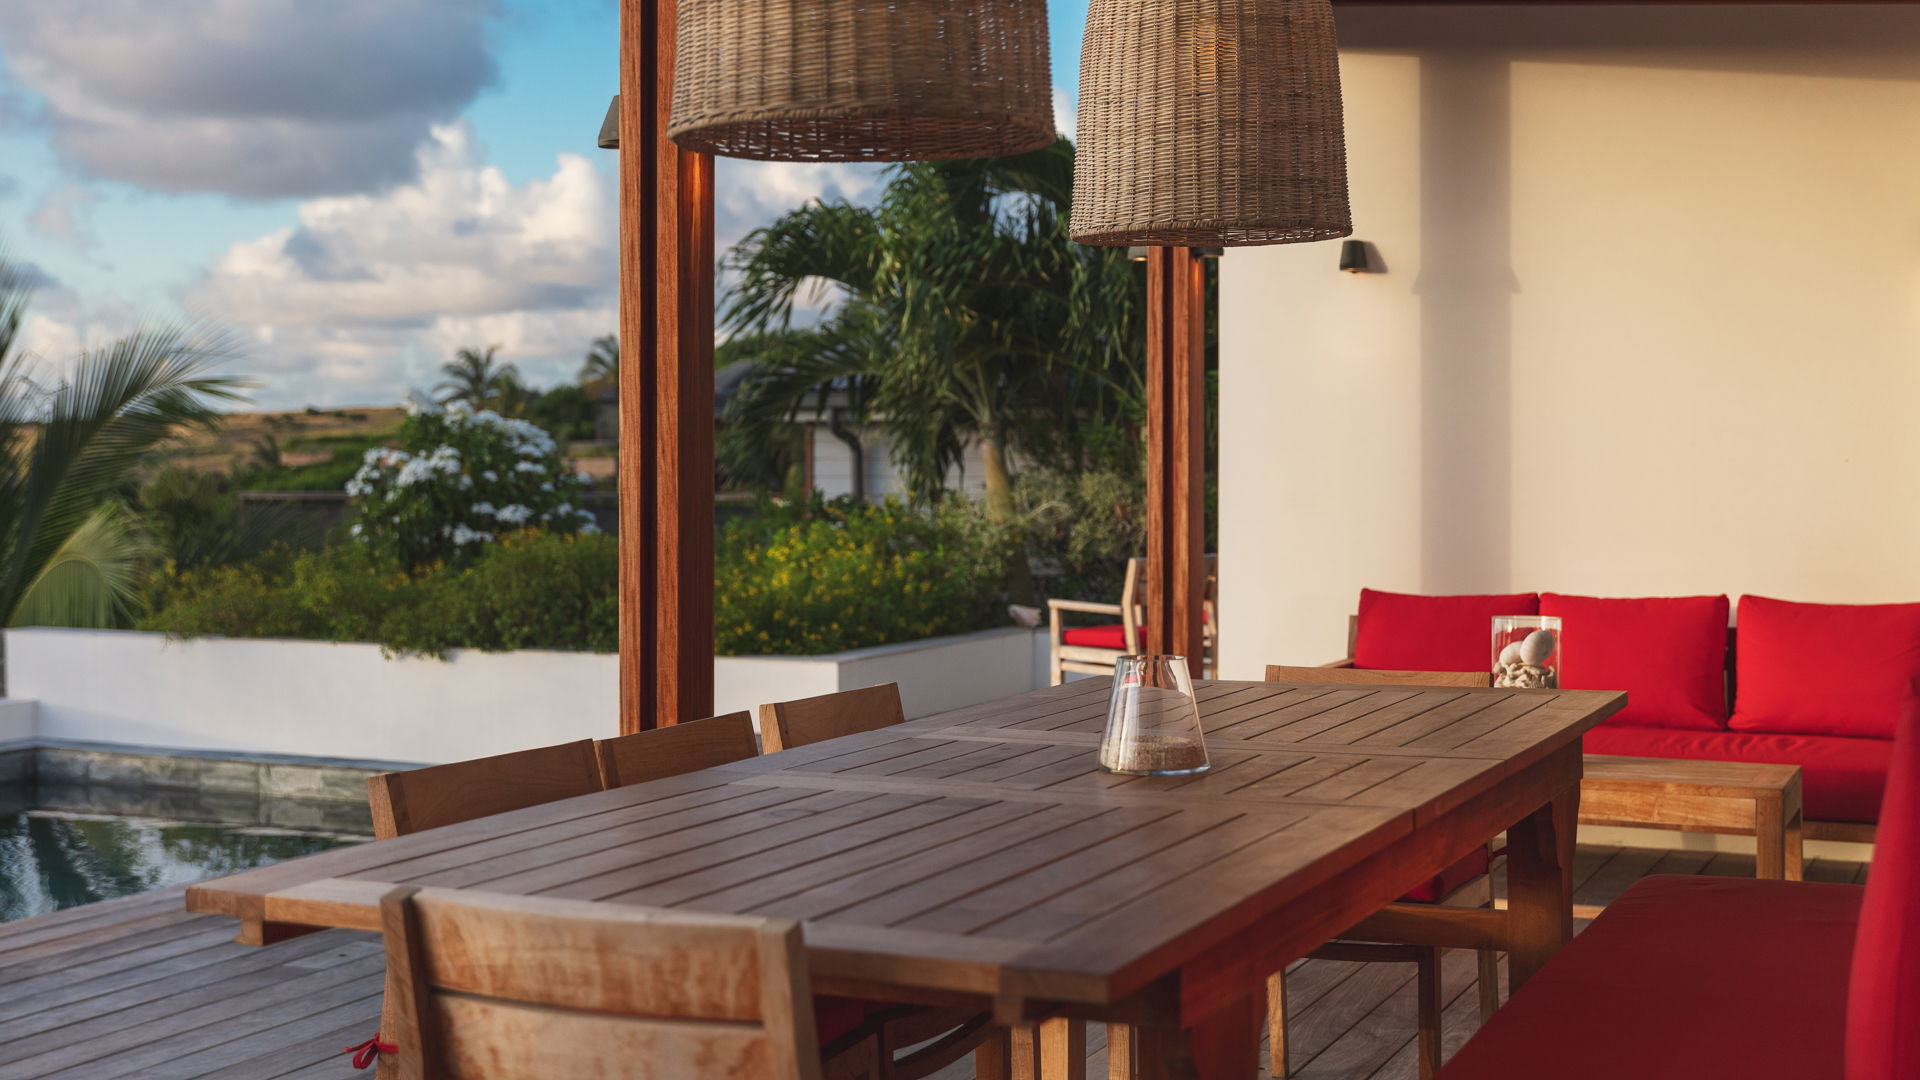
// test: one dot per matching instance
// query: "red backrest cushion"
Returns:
(1403, 632)
(1669, 653)
(1883, 996)
(1825, 669)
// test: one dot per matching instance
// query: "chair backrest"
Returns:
(1133, 604)
(1377, 677)
(676, 749)
(407, 802)
(787, 724)
(490, 987)
(1883, 994)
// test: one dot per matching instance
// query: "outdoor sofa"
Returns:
(1815, 685)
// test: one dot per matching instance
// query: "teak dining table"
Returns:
(982, 857)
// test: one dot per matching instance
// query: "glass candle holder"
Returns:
(1526, 652)
(1153, 719)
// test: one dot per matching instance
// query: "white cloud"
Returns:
(256, 98)
(749, 194)
(368, 294)
(1066, 111)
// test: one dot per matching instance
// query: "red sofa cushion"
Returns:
(1842, 779)
(1111, 636)
(1402, 632)
(1437, 888)
(1883, 1011)
(1684, 978)
(1825, 669)
(1668, 653)
(837, 1016)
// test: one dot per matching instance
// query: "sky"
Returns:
(348, 190)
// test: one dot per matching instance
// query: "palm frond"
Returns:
(93, 578)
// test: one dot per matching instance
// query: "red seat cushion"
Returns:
(1841, 779)
(1883, 1011)
(1684, 978)
(1111, 636)
(1825, 669)
(1440, 886)
(1668, 653)
(837, 1016)
(1402, 632)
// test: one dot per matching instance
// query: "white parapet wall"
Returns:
(334, 700)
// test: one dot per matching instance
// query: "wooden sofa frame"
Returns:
(1851, 832)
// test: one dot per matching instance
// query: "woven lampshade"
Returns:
(1210, 122)
(861, 80)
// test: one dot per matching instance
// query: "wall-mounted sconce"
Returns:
(1353, 257)
(610, 127)
(1139, 254)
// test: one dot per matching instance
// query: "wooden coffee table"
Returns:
(1734, 797)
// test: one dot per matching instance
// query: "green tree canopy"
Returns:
(962, 311)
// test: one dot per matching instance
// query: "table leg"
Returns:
(1769, 837)
(1123, 1052)
(1223, 1045)
(1796, 855)
(993, 1059)
(1540, 885)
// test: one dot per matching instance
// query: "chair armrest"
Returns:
(1089, 607)
(1348, 662)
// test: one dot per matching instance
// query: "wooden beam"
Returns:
(1176, 452)
(666, 391)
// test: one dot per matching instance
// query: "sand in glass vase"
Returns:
(1153, 719)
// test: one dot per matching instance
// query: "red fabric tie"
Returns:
(366, 1052)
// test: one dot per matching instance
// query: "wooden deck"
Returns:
(141, 988)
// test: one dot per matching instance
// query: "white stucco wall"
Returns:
(348, 701)
(1649, 321)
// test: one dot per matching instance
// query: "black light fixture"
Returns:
(1353, 257)
(1139, 254)
(610, 127)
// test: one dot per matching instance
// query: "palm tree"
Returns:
(473, 377)
(603, 360)
(964, 309)
(70, 551)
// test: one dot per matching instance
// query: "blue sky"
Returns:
(350, 189)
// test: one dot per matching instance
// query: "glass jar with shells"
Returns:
(1526, 652)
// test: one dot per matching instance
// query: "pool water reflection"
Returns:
(63, 857)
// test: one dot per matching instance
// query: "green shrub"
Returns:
(822, 577)
(531, 590)
(459, 480)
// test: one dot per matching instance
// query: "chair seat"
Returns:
(1682, 978)
(1441, 885)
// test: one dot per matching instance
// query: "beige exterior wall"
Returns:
(1649, 321)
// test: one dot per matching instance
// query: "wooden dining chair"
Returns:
(787, 724)
(1465, 885)
(407, 802)
(531, 988)
(675, 749)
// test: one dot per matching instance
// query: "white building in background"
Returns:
(1645, 320)
(844, 460)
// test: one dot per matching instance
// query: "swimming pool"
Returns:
(63, 847)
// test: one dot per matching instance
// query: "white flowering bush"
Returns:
(462, 479)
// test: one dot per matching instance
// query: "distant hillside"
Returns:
(249, 441)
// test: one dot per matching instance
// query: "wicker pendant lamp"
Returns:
(861, 80)
(1210, 122)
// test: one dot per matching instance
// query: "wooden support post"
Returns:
(1176, 452)
(666, 391)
